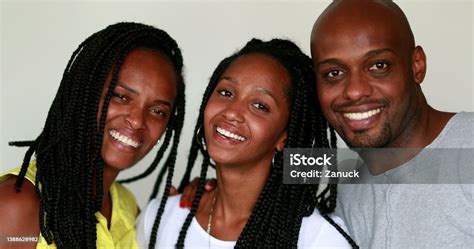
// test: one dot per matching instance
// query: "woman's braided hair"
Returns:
(68, 150)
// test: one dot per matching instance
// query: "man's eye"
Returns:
(334, 73)
(224, 93)
(378, 66)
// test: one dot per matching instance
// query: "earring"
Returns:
(157, 142)
(201, 142)
(274, 156)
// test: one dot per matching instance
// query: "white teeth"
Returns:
(230, 134)
(123, 139)
(362, 115)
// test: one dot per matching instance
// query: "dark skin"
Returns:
(368, 62)
(20, 211)
(139, 109)
(346, 42)
(250, 101)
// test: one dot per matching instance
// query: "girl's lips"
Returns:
(227, 135)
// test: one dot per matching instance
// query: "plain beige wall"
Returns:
(38, 37)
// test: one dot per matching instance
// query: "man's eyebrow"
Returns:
(367, 55)
(328, 61)
(378, 51)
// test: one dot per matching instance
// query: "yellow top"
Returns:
(122, 233)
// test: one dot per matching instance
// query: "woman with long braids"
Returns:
(259, 101)
(120, 92)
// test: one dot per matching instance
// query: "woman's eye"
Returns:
(224, 93)
(261, 107)
(158, 111)
(379, 66)
(120, 97)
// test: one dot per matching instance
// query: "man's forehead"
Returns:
(364, 16)
(347, 14)
(352, 21)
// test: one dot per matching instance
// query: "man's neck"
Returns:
(419, 134)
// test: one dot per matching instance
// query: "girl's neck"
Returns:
(237, 192)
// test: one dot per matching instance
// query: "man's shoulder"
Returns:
(463, 120)
(458, 132)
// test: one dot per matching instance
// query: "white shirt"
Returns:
(315, 231)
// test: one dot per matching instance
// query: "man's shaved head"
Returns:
(368, 72)
(350, 13)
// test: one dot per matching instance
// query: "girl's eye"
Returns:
(120, 97)
(261, 107)
(224, 92)
(379, 66)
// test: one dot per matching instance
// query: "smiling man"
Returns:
(369, 72)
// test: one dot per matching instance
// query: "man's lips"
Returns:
(362, 115)
(361, 120)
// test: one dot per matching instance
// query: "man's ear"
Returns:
(418, 64)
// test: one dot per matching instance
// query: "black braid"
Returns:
(159, 179)
(340, 230)
(69, 163)
(25, 164)
(195, 147)
(21, 143)
(189, 218)
(278, 206)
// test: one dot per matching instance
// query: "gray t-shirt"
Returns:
(389, 214)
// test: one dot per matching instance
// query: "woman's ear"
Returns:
(281, 142)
